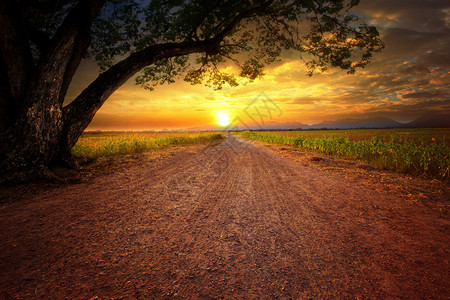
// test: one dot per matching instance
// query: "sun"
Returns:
(223, 119)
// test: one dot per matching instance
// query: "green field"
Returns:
(95, 145)
(423, 152)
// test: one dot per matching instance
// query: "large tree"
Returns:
(42, 43)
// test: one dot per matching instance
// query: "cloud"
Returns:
(410, 77)
(425, 15)
(426, 95)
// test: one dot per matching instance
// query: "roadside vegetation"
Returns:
(422, 152)
(95, 145)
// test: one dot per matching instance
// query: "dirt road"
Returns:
(232, 220)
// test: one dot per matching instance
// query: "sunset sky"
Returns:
(409, 78)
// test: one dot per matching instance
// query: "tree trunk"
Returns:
(31, 139)
(34, 139)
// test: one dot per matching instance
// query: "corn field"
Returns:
(423, 152)
(103, 144)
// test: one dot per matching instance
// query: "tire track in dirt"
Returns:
(357, 249)
(229, 221)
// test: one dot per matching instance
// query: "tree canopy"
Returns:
(252, 34)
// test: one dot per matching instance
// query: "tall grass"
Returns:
(103, 144)
(418, 154)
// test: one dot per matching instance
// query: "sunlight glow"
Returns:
(223, 119)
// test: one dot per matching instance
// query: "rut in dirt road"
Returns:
(228, 221)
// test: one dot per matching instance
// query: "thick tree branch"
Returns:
(64, 52)
(77, 23)
(81, 47)
(80, 18)
(79, 113)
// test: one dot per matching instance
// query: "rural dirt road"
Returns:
(233, 221)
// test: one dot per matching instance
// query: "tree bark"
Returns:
(34, 140)
(82, 45)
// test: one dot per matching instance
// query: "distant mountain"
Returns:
(358, 123)
(431, 120)
(286, 126)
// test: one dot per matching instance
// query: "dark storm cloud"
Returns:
(427, 48)
(403, 112)
(412, 73)
(426, 95)
(410, 77)
(423, 15)
(411, 110)
(414, 69)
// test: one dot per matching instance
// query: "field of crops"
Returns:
(423, 152)
(103, 144)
